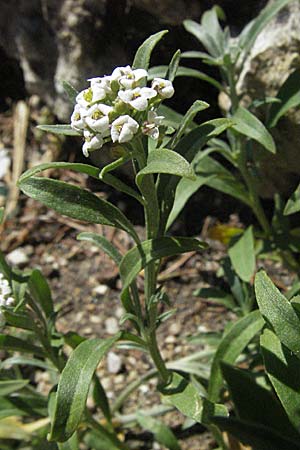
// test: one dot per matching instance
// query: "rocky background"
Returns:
(43, 42)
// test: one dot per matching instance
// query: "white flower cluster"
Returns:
(5, 297)
(117, 106)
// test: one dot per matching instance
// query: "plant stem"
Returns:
(164, 373)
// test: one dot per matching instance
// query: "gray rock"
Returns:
(275, 55)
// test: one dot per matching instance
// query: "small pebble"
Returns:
(17, 257)
(101, 289)
(114, 362)
(111, 325)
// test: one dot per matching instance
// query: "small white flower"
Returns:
(85, 98)
(97, 117)
(4, 163)
(138, 97)
(121, 72)
(131, 80)
(150, 126)
(163, 87)
(77, 118)
(100, 87)
(123, 129)
(92, 142)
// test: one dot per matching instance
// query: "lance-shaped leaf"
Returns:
(173, 66)
(72, 201)
(65, 129)
(11, 343)
(242, 255)
(293, 203)
(185, 189)
(249, 125)
(231, 346)
(70, 91)
(283, 368)
(188, 146)
(9, 386)
(278, 312)
(289, 96)
(186, 398)
(141, 255)
(163, 434)
(40, 291)
(259, 437)
(74, 386)
(250, 33)
(143, 54)
(77, 167)
(101, 242)
(196, 107)
(167, 161)
(245, 393)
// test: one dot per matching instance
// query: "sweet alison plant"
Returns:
(119, 110)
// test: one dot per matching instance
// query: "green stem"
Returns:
(131, 388)
(151, 211)
(164, 373)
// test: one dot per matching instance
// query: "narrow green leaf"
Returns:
(74, 386)
(289, 96)
(143, 54)
(185, 189)
(100, 439)
(77, 167)
(70, 91)
(242, 255)
(101, 242)
(231, 346)
(196, 107)
(257, 436)
(70, 444)
(173, 66)
(1, 215)
(8, 409)
(211, 25)
(293, 203)
(246, 393)
(186, 398)
(72, 201)
(160, 71)
(278, 312)
(18, 320)
(11, 343)
(26, 361)
(282, 368)
(249, 35)
(249, 125)
(166, 161)
(217, 296)
(173, 118)
(203, 35)
(189, 146)
(4, 267)
(216, 176)
(9, 386)
(163, 434)
(40, 291)
(65, 129)
(140, 256)
(101, 399)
